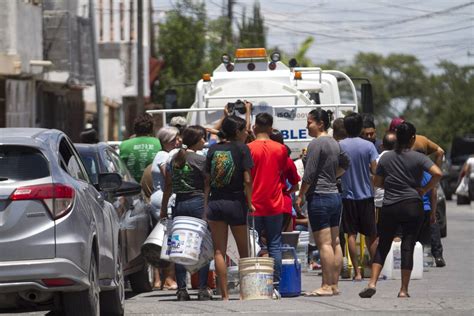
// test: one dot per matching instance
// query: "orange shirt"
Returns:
(270, 160)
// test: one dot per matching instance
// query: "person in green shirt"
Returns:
(139, 152)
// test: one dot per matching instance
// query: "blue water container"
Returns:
(290, 278)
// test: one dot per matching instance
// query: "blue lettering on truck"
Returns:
(294, 133)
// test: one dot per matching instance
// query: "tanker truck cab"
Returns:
(289, 94)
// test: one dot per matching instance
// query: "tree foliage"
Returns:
(182, 45)
(252, 32)
(447, 109)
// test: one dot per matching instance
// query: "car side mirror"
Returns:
(128, 188)
(110, 182)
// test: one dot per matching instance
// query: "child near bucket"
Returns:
(185, 178)
(229, 184)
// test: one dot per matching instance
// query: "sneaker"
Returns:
(276, 295)
(182, 295)
(204, 295)
(440, 262)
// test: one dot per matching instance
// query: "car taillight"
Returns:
(57, 197)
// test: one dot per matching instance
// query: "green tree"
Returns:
(447, 110)
(252, 31)
(182, 45)
(219, 41)
(398, 80)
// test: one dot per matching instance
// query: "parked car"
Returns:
(461, 149)
(59, 238)
(131, 209)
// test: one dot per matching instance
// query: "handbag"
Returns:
(463, 187)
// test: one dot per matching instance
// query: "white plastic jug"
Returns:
(392, 266)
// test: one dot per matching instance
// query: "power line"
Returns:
(424, 16)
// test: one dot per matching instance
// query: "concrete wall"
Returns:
(20, 41)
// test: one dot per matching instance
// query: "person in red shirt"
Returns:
(290, 183)
(270, 160)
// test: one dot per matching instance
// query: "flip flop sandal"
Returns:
(316, 293)
(403, 296)
(368, 292)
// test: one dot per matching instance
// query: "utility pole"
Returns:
(95, 63)
(140, 98)
(230, 18)
(151, 27)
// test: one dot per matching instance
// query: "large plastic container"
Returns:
(206, 255)
(186, 239)
(392, 266)
(290, 278)
(256, 278)
(151, 248)
(302, 250)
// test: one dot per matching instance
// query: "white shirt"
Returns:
(379, 192)
(470, 163)
(160, 160)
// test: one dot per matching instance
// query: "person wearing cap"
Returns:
(179, 122)
(422, 143)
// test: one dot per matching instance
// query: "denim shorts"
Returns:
(193, 207)
(324, 210)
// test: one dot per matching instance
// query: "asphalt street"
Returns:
(448, 290)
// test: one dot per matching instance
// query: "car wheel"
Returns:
(85, 302)
(112, 302)
(142, 281)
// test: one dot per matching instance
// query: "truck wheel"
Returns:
(112, 302)
(85, 302)
(142, 281)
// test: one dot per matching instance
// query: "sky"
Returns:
(429, 29)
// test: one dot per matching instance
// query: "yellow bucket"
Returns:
(256, 278)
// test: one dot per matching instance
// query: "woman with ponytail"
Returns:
(324, 163)
(185, 178)
(228, 193)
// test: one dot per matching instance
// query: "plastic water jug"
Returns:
(392, 266)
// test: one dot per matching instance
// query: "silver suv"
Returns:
(59, 239)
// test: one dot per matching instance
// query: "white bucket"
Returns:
(151, 248)
(206, 255)
(186, 238)
(166, 247)
(256, 278)
(392, 266)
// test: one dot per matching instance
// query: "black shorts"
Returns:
(358, 216)
(229, 209)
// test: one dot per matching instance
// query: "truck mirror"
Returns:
(171, 99)
(367, 100)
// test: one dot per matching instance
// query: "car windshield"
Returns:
(22, 163)
(90, 162)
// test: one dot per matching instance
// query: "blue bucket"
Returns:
(290, 278)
